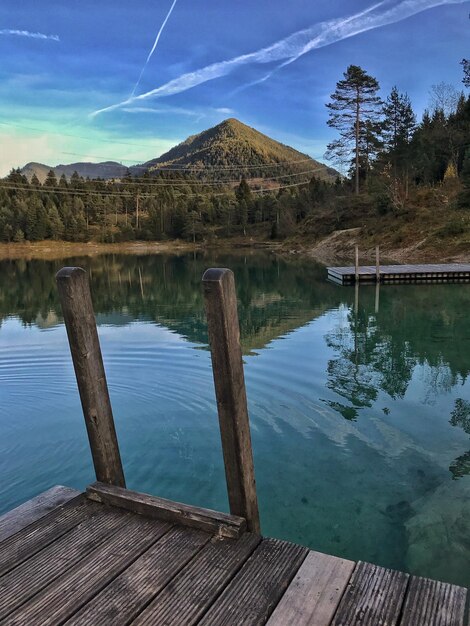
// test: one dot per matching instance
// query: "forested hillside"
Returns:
(403, 179)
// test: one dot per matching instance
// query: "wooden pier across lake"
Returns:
(114, 557)
(439, 272)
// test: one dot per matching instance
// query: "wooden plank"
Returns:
(128, 594)
(40, 570)
(434, 603)
(56, 603)
(315, 592)
(159, 508)
(32, 510)
(77, 308)
(227, 368)
(374, 596)
(257, 588)
(194, 589)
(44, 531)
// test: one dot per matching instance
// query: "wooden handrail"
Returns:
(227, 367)
(77, 308)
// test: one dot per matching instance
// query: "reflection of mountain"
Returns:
(274, 297)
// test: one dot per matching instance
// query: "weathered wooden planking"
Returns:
(160, 508)
(56, 603)
(374, 596)
(434, 603)
(32, 510)
(79, 318)
(25, 543)
(40, 570)
(315, 592)
(194, 589)
(252, 595)
(227, 368)
(132, 590)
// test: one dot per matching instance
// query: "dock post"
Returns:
(77, 308)
(377, 264)
(356, 265)
(229, 380)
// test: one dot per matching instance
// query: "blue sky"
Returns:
(69, 70)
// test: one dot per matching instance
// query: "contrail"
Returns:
(157, 39)
(293, 47)
(27, 33)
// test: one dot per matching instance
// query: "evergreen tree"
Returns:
(35, 181)
(51, 179)
(355, 113)
(464, 196)
(466, 72)
(398, 127)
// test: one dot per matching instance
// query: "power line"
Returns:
(191, 168)
(175, 182)
(120, 195)
(178, 182)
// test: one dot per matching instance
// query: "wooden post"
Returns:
(77, 308)
(356, 264)
(377, 264)
(227, 368)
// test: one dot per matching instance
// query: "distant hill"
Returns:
(237, 147)
(231, 148)
(105, 170)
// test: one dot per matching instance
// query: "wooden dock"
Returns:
(437, 273)
(112, 556)
(92, 563)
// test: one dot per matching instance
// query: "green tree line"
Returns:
(384, 151)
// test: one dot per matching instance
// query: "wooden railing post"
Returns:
(377, 264)
(77, 308)
(356, 263)
(227, 367)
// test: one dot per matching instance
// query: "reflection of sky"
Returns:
(348, 487)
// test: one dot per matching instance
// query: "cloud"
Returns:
(27, 33)
(172, 110)
(225, 111)
(157, 39)
(293, 47)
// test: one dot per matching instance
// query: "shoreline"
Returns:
(337, 248)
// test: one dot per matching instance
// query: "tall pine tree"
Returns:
(355, 112)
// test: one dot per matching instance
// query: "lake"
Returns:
(359, 402)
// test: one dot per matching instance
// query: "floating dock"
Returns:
(438, 273)
(115, 557)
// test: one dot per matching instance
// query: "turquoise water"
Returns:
(360, 407)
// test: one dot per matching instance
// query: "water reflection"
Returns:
(359, 398)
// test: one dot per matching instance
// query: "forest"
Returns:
(392, 164)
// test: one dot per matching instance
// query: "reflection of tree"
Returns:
(460, 417)
(167, 289)
(421, 325)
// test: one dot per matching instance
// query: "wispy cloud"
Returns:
(161, 111)
(293, 47)
(157, 39)
(27, 33)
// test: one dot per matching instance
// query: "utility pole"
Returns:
(137, 212)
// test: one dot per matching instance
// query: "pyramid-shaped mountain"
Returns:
(234, 148)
